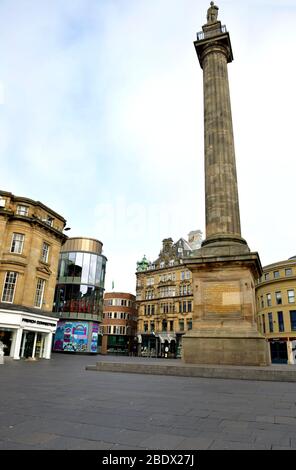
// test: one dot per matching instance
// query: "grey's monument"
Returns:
(224, 271)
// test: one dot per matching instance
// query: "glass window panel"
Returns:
(293, 319)
(9, 287)
(39, 293)
(103, 273)
(98, 270)
(281, 321)
(71, 265)
(78, 266)
(85, 268)
(92, 269)
(17, 243)
(44, 252)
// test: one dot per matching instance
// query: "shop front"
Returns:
(76, 337)
(26, 335)
(158, 345)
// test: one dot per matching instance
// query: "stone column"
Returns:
(17, 344)
(224, 271)
(47, 346)
(221, 192)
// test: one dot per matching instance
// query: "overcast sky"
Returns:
(101, 119)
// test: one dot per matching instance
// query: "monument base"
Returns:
(226, 351)
(224, 324)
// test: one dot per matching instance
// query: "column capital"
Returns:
(213, 37)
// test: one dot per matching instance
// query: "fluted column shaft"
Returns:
(222, 205)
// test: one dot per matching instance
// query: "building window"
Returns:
(276, 274)
(39, 293)
(181, 325)
(150, 281)
(45, 252)
(49, 220)
(152, 326)
(164, 325)
(22, 210)
(268, 299)
(288, 271)
(278, 298)
(189, 324)
(171, 325)
(291, 296)
(145, 326)
(266, 276)
(263, 323)
(17, 243)
(262, 301)
(189, 306)
(281, 321)
(270, 322)
(293, 319)
(9, 287)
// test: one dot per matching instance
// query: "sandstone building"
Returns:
(276, 309)
(165, 299)
(31, 235)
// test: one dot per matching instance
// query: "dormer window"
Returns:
(22, 210)
(49, 220)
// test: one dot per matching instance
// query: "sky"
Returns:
(101, 119)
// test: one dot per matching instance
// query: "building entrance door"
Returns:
(28, 345)
(278, 351)
(6, 338)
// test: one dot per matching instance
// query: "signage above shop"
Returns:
(38, 322)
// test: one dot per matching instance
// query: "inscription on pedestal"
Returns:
(222, 298)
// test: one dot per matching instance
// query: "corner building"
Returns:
(119, 324)
(165, 299)
(79, 295)
(276, 309)
(31, 236)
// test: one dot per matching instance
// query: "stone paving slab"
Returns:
(57, 404)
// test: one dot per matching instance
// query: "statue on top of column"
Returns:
(212, 13)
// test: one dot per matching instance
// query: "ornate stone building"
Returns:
(165, 299)
(31, 235)
(276, 309)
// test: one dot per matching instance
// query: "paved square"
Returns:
(57, 404)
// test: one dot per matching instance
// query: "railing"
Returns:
(208, 34)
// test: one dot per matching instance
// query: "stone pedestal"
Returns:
(224, 329)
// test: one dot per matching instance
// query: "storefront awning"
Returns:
(166, 337)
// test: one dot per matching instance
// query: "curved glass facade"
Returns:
(80, 287)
